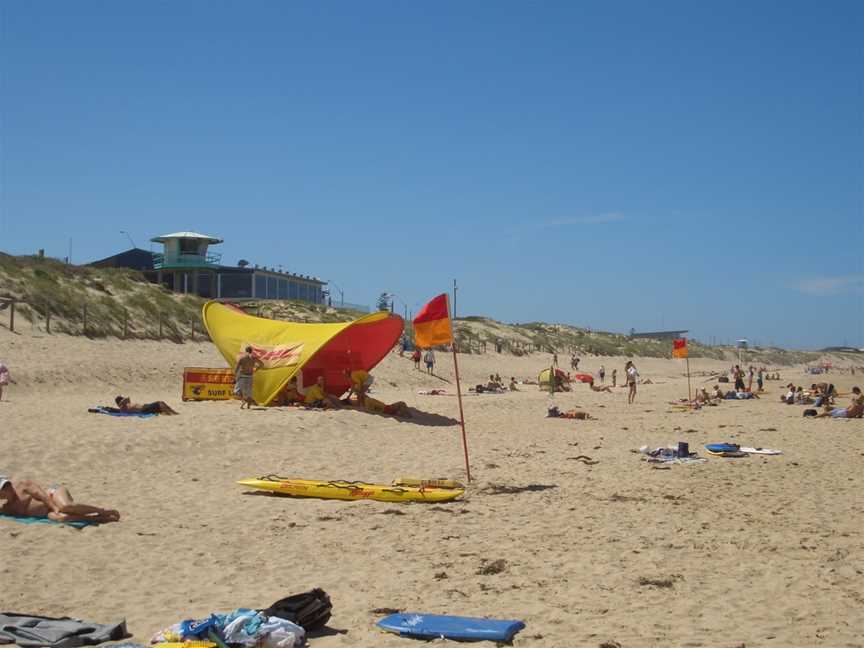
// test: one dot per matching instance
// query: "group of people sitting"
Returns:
(496, 385)
(316, 396)
(854, 410)
(819, 394)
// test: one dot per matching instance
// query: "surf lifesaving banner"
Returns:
(203, 383)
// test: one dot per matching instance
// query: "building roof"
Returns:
(187, 235)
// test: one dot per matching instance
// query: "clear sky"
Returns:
(606, 164)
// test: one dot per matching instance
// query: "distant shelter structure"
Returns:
(186, 265)
(659, 335)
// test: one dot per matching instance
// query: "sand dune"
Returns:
(756, 551)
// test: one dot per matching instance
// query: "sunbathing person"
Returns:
(513, 383)
(603, 388)
(855, 409)
(125, 404)
(25, 498)
(718, 394)
(375, 406)
(581, 415)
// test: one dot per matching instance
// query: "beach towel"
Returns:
(63, 632)
(432, 392)
(41, 520)
(110, 411)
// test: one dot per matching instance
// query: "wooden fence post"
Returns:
(84, 320)
(47, 318)
(125, 323)
(193, 330)
(160, 324)
(12, 316)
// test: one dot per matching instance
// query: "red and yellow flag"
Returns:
(679, 348)
(432, 324)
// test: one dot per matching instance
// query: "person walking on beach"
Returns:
(632, 378)
(429, 359)
(5, 379)
(602, 373)
(416, 357)
(247, 363)
(759, 376)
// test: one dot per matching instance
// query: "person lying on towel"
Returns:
(25, 498)
(125, 404)
(375, 406)
(581, 415)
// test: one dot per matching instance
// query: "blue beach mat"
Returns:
(432, 626)
(104, 410)
(40, 520)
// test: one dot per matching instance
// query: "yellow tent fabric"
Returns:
(285, 348)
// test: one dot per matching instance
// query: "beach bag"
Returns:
(810, 412)
(723, 379)
(310, 610)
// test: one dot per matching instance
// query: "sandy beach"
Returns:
(758, 551)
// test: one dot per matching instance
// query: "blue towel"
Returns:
(42, 520)
(102, 410)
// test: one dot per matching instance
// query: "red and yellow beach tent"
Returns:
(285, 348)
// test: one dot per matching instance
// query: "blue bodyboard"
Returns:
(432, 626)
(722, 447)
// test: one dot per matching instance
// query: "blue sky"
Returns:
(609, 164)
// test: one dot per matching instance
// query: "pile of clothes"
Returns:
(283, 625)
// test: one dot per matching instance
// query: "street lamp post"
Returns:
(341, 292)
(129, 237)
(394, 295)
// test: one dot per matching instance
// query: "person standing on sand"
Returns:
(4, 378)
(632, 378)
(614, 377)
(759, 376)
(429, 359)
(247, 363)
(602, 373)
(416, 357)
(739, 378)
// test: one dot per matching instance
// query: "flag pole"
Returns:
(459, 388)
(689, 397)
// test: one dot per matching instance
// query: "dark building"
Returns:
(659, 335)
(187, 266)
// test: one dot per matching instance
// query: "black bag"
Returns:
(810, 412)
(723, 379)
(310, 610)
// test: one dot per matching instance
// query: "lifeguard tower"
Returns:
(185, 264)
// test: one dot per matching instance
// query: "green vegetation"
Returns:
(122, 303)
(117, 302)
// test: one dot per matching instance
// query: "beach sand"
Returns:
(754, 552)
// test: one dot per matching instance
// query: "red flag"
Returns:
(432, 324)
(679, 348)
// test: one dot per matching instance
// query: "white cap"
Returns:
(3, 481)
